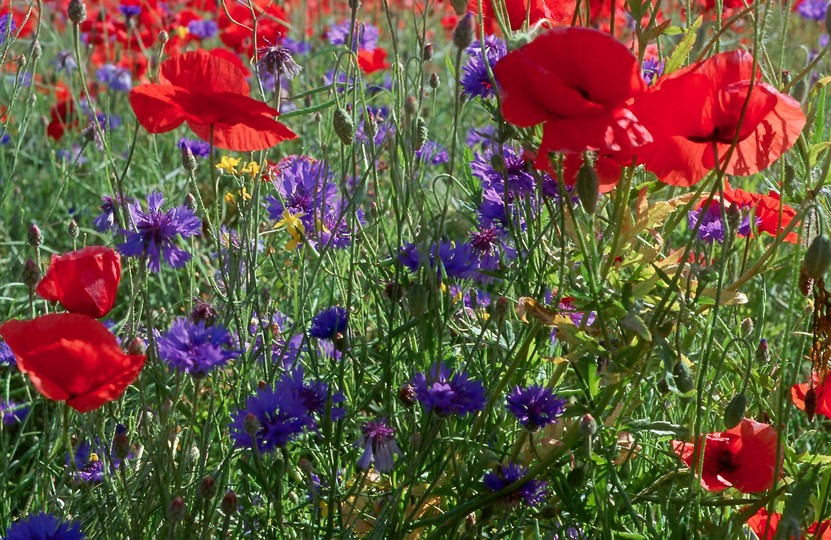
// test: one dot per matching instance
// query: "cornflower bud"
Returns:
(178, 510)
(747, 326)
(251, 424)
(762, 352)
(207, 488)
(229, 503)
(31, 275)
(463, 34)
(434, 81)
(427, 52)
(818, 257)
(72, 229)
(188, 160)
(407, 395)
(34, 236)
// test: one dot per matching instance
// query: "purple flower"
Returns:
(304, 186)
(513, 172)
(64, 61)
(117, 78)
(475, 80)
(329, 323)
(13, 412)
(532, 492)
(195, 348)
(364, 37)
(432, 153)
(271, 419)
(296, 47)
(651, 69)
(312, 395)
(535, 407)
(43, 527)
(447, 393)
(129, 10)
(712, 227)
(105, 221)
(813, 9)
(7, 27)
(458, 260)
(378, 441)
(7, 356)
(156, 231)
(483, 137)
(73, 156)
(203, 29)
(197, 147)
(277, 60)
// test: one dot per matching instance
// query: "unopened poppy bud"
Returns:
(121, 443)
(427, 52)
(207, 488)
(411, 105)
(136, 346)
(588, 425)
(459, 6)
(31, 275)
(734, 219)
(72, 229)
(188, 160)
(811, 403)
(344, 126)
(734, 412)
(588, 186)
(251, 425)
(407, 395)
(163, 37)
(34, 236)
(36, 49)
(21, 61)
(463, 34)
(747, 326)
(818, 257)
(178, 510)
(76, 11)
(229, 503)
(434, 80)
(421, 133)
(762, 352)
(683, 377)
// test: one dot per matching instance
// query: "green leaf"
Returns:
(682, 50)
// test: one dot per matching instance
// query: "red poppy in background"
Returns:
(576, 81)
(822, 389)
(235, 31)
(72, 358)
(743, 457)
(208, 93)
(372, 61)
(83, 281)
(558, 12)
(764, 526)
(61, 118)
(766, 209)
(694, 109)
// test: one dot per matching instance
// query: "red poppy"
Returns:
(557, 12)
(822, 390)
(72, 358)
(766, 209)
(210, 94)
(235, 31)
(764, 526)
(83, 281)
(372, 61)
(576, 81)
(742, 457)
(61, 118)
(694, 109)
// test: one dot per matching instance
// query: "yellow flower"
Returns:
(296, 238)
(229, 198)
(228, 165)
(293, 226)
(244, 194)
(182, 32)
(252, 168)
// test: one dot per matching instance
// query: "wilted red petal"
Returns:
(83, 281)
(72, 357)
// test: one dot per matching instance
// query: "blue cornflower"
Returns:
(13, 412)
(458, 260)
(329, 323)
(532, 492)
(535, 406)
(43, 527)
(712, 227)
(203, 29)
(483, 137)
(194, 347)
(296, 47)
(197, 147)
(6, 355)
(365, 35)
(378, 441)
(272, 418)
(513, 172)
(65, 61)
(72, 156)
(447, 393)
(117, 78)
(156, 231)
(432, 153)
(651, 69)
(105, 221)
(475, 80)
(312, 395)
(7, 27)
(304, 186)
(129, 10)
(813, 9)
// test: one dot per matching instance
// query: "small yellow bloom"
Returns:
(229, 198)
(244, 194)
(182, 32)
(296, 238)
(228, 165)
(293, 226)
(252, 168)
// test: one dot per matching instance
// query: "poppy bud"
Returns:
(463, 34)
(818, 257)
(683, 377)
(229, 503)
(207, 488)
(747, 326)
(72, 229)
(34, 236)
(734, 219)
(188, 161)
(588, 187)
(31, 275)
(344, 126)
(136, 346)
(121, 443)
(588, 425)
(204, 312)
(21, 61)
(762, 352)
(163, 37)
(811, 403)
(177, 510)
(421, 133)
(434, 81)
(76, 11)
(354, 4)
(36, 49)
(799, 90)
(459, 6)
(407, 395)
(500, 309)
(427, 52)
(734, 412)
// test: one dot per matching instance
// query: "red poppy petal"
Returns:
(112, 388)
(156, 107)
(205, 72)
(253, 133)
(755, 454)
(763, 525)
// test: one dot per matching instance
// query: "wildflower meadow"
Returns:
(415, 269)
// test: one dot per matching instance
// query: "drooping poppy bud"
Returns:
(344, 126)
(818, 257)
